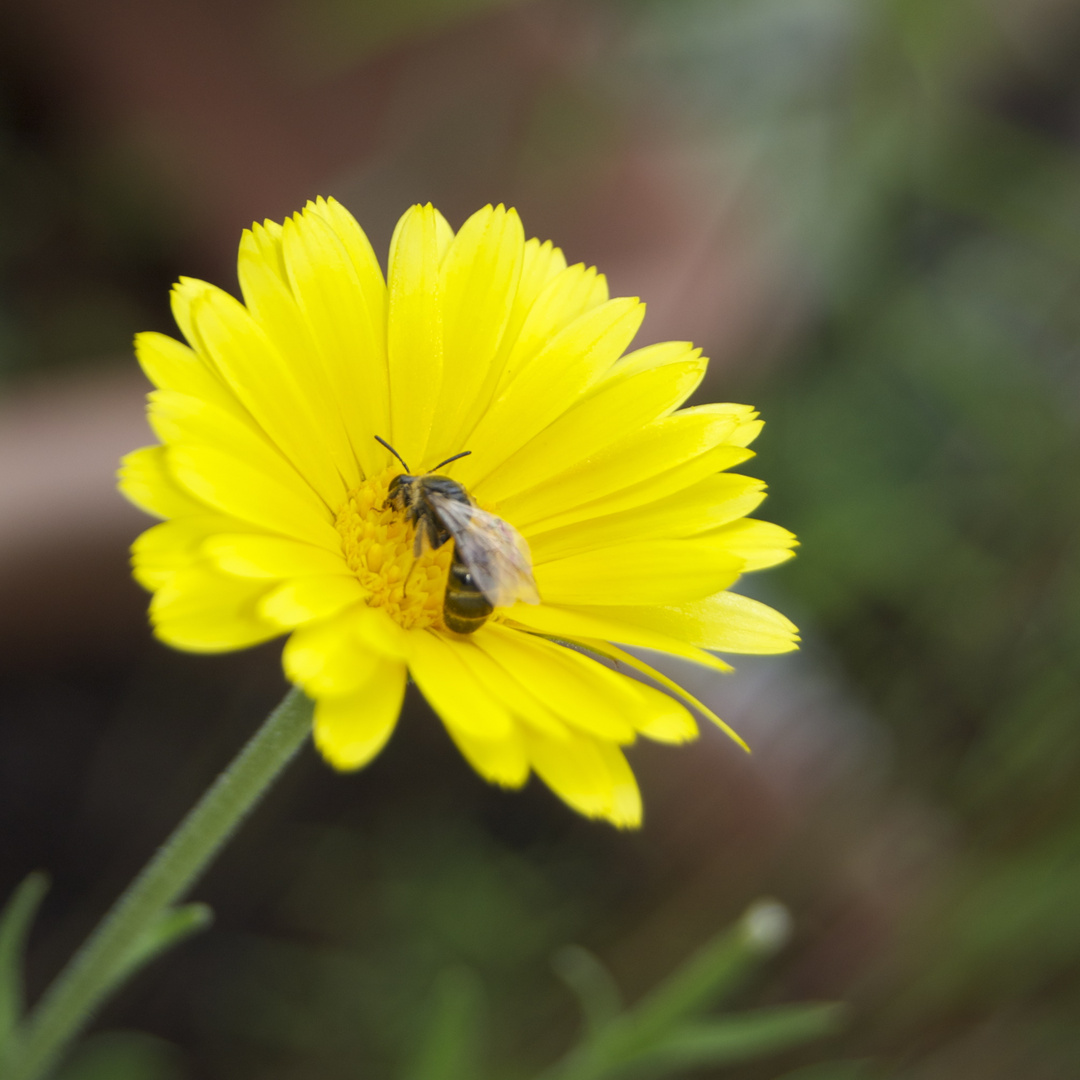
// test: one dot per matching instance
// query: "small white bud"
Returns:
(767, 925)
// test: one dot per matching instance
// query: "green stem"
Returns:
(105, 958)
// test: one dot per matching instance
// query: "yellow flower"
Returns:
(275, 488)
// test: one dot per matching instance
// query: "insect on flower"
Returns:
(491, 566)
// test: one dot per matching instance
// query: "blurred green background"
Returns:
(868, 213)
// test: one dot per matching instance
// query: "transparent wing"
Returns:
(494, 552)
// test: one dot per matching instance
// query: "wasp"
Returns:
(491, 566)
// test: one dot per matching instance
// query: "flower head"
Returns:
(286, 511)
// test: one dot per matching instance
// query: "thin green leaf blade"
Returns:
(591, 983)
(739, 1038)
(450, 1047)
(713, 973)
(15, 923)
(174, 926)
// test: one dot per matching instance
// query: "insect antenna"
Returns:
(395, 453)
(464, 453)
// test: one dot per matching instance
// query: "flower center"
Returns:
(378, 546)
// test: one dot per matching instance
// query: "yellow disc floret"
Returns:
(378, 546)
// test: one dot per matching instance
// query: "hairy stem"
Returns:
(107, 956)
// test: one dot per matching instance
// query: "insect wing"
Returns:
(493, 551)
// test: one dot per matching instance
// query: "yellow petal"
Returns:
(145, 478)
(551, 382)
(590, 775)
(636, 397)
(501, 761)
(180, 299)
(260, 555)
(203, 610)
(454, 691)
(523, 704)
(643, 572)
(605, 648)
(479, 279)
(333, 656)
(578, 690)
(371, 368)
(274, 391)
(346, 318)
(444, 235)
(603, 622)
(668, 721)
(235, 487)
(364, 262)
(655, 356)
(351, 729)
(303, 599)
(726, 622)
(171, 365)
(414, 334)
(262, 243)
(541, 264)
(675, 479)
(268, 294)
(180, 419)
(662, 457)
(174, 545)
(760, 543)
(704, 506)
(565, 297)
(571, 684)
(747, 431)
(654, 714)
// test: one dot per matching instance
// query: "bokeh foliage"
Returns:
(924, 443)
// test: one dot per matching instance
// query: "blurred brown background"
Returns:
(868, 214)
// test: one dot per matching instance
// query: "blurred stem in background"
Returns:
(143, 923)
(666, 1034)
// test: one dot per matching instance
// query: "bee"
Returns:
(491, 566)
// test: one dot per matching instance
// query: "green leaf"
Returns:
(738, 1038)
(450, 1048)
(174, 925)
(591, 983)
(713, 973)
(15, 923)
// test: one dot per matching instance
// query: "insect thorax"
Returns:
(446, 487)
(410, 495)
